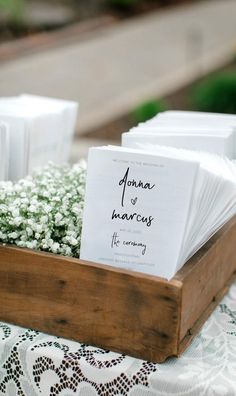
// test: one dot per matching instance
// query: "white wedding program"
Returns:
(149, 211)
(41, 130)
(215, 133)
(4, 150)
(218, 140)
(67, 114)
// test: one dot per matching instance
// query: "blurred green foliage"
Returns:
(216, 94)
(13, 9)
(148, 109)
(234, 57)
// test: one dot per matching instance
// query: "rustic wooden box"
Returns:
(129, 312)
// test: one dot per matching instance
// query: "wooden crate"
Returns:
(140, 315)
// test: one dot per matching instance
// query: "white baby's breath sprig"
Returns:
(44, 211)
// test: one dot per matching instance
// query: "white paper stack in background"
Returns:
(191, 119)
(41, 130)
(68, 112)
(213, 140)
(230, 119)
(4, 150)
(214, 133)
(156, 206)
(31, 143)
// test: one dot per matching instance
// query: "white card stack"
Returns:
(218, 140)
(215, 133)
(156, 206)
(41, 130)
(4, 150)
(68, 113)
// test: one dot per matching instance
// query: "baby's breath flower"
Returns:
(13, 235)
(44, 211)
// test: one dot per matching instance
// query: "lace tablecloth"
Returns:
(36, 364)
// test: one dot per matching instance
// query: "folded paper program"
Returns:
(189, 195)
(215, 133)
(4, 150)
(40, 130)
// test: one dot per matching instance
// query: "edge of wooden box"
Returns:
(121, 310)
(128, 312)
(206, 278)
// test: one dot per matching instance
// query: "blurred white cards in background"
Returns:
(214, 133)
(222, 143)
(68, 112)
(40, 130)
(4, 151)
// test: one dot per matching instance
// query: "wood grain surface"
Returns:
(120, 310)
(206, 278)
(140, 315)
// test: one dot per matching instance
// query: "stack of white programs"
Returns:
(215, 133)
(150, 210)
(202, 118)
(68, 114)
(4, 150)
(41, 130)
